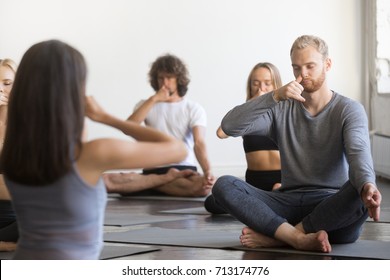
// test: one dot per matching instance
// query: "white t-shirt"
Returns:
(178, 119)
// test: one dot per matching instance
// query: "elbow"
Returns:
(225, 129)
(221, 134)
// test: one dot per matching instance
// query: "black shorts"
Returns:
(264, 180)
(164, 169)
(8, 225)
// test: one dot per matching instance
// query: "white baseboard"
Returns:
(235, 170)
(381, 154)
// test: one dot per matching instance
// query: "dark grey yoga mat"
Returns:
(367, 249)
(112, 252)
(384, 215)
(176, 237)
(108, 252)
(190, 211)
(128, 219)
(364, 249)
(6, 255)
(163, 197)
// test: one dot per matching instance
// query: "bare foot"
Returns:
(131, 182)
(276, 186)
(190, 186)
(7, 246)
(314, 242)
(202, 186)
(308, 242)
(118, 178)
(253, 239)
(174, 173)
(116, 182)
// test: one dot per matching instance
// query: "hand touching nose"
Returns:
(291, 90)
(163, 93)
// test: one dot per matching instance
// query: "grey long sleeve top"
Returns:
(324, 151)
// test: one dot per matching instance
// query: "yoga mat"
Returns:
(121, 219)
(163, 197)
(176, 237)
(384, 216)
(365, 249)
(192, 211)
(111, 252)
(6, 255)
(108, 252)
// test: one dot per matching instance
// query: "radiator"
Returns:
(381, 154)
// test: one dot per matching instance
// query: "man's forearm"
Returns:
(201, 156)
(139, 115)
(239, 120)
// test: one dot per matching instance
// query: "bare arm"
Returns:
(4, 194)
(3, 123)
(140, 113)
(3, 118)
(131, 128)
(200, 150)
(153, 147)
(221, 134)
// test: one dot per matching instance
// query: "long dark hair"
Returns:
(170, 64)
(45, 114)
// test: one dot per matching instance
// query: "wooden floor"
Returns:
(219, 223)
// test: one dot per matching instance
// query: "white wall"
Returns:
(220, 41)
(380, 95)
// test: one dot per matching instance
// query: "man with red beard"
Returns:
(328, 182)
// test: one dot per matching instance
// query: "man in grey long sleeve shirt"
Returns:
(328, 182)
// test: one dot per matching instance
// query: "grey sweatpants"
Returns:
(340, 214)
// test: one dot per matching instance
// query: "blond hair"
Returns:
(311, 40)
(8, 63)
(275, 76)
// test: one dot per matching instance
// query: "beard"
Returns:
(310, 85)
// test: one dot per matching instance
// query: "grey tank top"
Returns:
(62, 220)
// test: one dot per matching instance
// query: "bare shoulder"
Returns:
(96, 157)
(101, 149)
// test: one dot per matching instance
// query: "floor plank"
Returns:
(220, 223)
